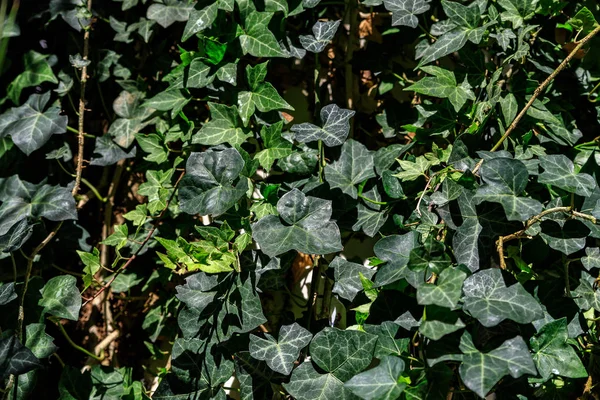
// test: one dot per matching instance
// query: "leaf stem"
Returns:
(75, 345)
(538, 91)
(379, 203)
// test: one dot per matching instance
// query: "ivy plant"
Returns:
(303, 199)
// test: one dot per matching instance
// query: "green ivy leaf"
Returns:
(591, 258)
(280, 354)
(354, 351)
(15, 358)
(481, 371)
(224, 127)
(438, 322)
(559, 171)
(258, 40)
(568, 238)
(132, 117)
(276, 147)
(466, 243)
(354, 166)
(153, 145)
(61, 298)
(37, 71)
(395, 251)
(334, 132)
(33, 201)
(7, 293)
(31, 125)
(517, 11)
(347, 277)
(404, 12)
(262, 95)
(444, 85)
(553, 355)
(92, 265)
(487, 298)
(447, 291)
(585, 296)
(387, 343)
(505, 179)
(199, 20)
(308, 384)
(323, 33)
(384, 382)
(38, 341)
(169, 100)
(447, 44)
(212, 183)
(167, 12)
(308, 227)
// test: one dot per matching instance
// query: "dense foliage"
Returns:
(303, 199)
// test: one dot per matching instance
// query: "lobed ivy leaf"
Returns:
(37, 71)
(307, 384)
(131, 117)
(167, 12)
(225, 126)
(395, 251)
(336, 126)
(26, 200)
(447, 44)
(172, 100)
(61, 298)
(257, 39)
(447, 291)
(262, 95)
(585, 295)
(481, 371)
(200, 19)
(552, 353)
(487, 298)
(568, 238)
(387, 341)
(517, 11)
(505, 179)
(559, 171)
(354, 166)
(212, 183)
(276, 147)
(384, 382)
(438, 322)
(404, 12)
(591, 258)
(443, 85)
(15, 358)
(354, 351)
(31, 125)
(307, 227)
(280, 354)
(38, 341)
(323, 33)
(347, 277)
(107, 152)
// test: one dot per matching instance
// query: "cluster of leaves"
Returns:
(282, 205)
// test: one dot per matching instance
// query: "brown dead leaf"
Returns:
(368, 30)
(568, 47)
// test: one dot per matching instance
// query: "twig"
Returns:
(84, 76)
(100, 347)
(538, 91)
(30, 259)
(21, 315)
(532, 221)
(146, 240)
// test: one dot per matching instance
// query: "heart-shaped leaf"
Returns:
(336, 126)
(280, 354)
